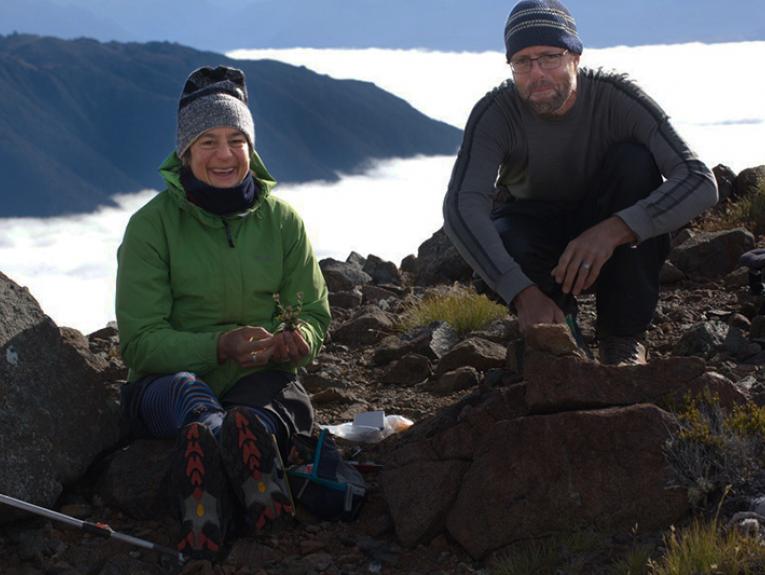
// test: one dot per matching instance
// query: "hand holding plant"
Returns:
(289, 343)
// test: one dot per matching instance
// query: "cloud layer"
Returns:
(712, 92)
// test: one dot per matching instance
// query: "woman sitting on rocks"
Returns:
(204, 269)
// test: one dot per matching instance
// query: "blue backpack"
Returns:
(328, 486)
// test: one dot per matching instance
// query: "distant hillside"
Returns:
(452, 25)
(81, 121)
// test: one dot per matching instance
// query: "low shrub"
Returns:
(462, 308)
(748, 211)
(709, 449)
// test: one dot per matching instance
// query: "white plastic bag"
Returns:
(368, 434)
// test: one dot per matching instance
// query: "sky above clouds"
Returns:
(710, 91)
(450, 25)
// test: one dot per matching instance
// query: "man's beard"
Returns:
(550, 106)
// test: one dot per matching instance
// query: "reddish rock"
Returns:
(552, 338)
(420, 495)
(538, 475)
(719, 386)
(567, 383)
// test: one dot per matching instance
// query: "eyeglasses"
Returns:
(523, 65)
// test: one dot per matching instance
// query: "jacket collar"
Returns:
(171, 173)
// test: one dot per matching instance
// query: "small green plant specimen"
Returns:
(289, 316)
(462, 308)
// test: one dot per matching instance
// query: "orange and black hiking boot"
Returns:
(198, 482)
(254, 466)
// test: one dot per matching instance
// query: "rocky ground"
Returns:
(368, 365)
(345, 381)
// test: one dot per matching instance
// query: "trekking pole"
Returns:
(99, 529)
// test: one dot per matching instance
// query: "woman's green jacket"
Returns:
(185, 276)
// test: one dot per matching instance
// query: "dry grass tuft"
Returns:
(462, 308)
(704, 549)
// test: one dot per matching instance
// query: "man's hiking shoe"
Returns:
(622, 351)
(254, 466)
(199, 484)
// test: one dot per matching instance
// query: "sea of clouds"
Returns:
(713, 93)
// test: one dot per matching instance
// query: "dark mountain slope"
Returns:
(81, 120)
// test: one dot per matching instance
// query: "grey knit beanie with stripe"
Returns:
(541, 23)
(213, 98)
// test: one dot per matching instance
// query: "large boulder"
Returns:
(381, 271)
(578, 445)
(498, 475)
(712, 254)
(532, 476)
(750, 180)
(441, 446)
(438, 261)
(343, 276)
(58, 412)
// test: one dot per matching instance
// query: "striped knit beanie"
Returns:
(213, 98)
(541, 23)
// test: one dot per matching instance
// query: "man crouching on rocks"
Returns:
(558, 186)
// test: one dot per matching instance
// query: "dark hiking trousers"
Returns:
(536, 232)
(275, 394)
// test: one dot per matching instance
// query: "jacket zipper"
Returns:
(229, 237)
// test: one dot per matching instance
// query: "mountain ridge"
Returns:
(84, 120)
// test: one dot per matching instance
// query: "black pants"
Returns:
(536, 232)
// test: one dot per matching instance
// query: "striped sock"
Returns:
(173, 401)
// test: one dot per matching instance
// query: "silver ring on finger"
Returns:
(254, 356)
(586, 265)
